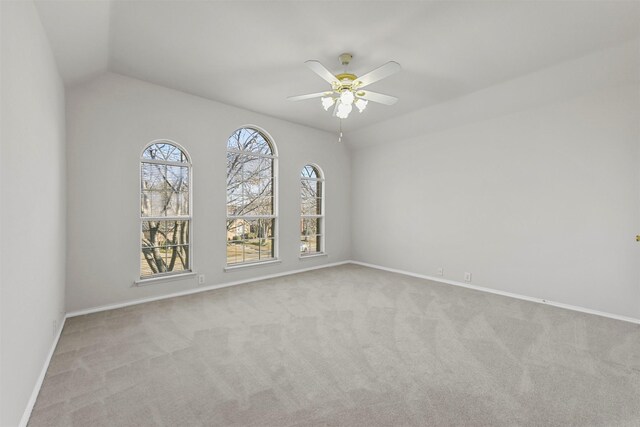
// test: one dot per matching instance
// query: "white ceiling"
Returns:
(251, 54)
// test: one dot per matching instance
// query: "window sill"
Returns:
(167, 278)
(321, 254)
(252, 264)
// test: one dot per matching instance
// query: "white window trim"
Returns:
(165, 277)
(322, 230)
(276, 214)
(168, 276)
(313, 255)
(241, 266)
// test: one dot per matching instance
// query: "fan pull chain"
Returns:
(340, 134)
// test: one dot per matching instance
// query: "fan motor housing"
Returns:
(346, 76)
(345, 81)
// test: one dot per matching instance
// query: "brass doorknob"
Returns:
(638, 238)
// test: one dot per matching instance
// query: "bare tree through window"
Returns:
(250, 197)
(165, 213)
(312, 211)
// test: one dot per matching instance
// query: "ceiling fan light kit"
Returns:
(346, 88)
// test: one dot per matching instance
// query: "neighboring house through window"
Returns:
(251, 197)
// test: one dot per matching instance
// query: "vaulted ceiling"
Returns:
(250, 54)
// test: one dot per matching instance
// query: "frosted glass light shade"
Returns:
(361, 104)
(347, 97)
(344, 110)
(327, 102)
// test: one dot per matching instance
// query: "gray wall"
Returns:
(542, 202)
(111, 119)
(32, 206)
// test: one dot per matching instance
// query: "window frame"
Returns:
(275, 199)
(169, 275)
(321, 232)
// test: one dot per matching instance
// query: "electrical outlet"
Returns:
(440, 271)
(201, 279)
(467, 277)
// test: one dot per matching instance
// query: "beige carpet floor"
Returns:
(343, 346)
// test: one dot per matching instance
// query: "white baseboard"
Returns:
(197, 290)
(379, 267)
(503, 293)
(36, 389)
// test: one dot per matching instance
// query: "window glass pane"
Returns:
(234, 173)
(165, 247)
(310, 226)
(250, 192)
(249, 185)
(234, 251)
(235, 204)
(252, 250)
(266, 228)
(234, 168)
(243, 229)
(258, 198)
(253, 140)
(251, 167)
(266, 249)
(315, 243)
(310, 189)
(310, 244)
(177, 258)
(152, 176)
(311, 206)
(177, 178)
(165, 190)
(179, 204)
(304, 245)
(145, 203)
(247, 139)
(235, 229)
(164, 203)
(233, 143)
(258, 206)
(265, 169)
(165, 151)
(145, 269)
(177, 232)
(309, 172)
(153, 233)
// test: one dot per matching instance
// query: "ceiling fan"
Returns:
(347, 89)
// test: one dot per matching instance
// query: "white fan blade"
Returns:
(379, 73)
(377, 97)
(308, 96)
(320, 70)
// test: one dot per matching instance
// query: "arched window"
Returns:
(251, 197)
(165, 210)
(312, 211)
